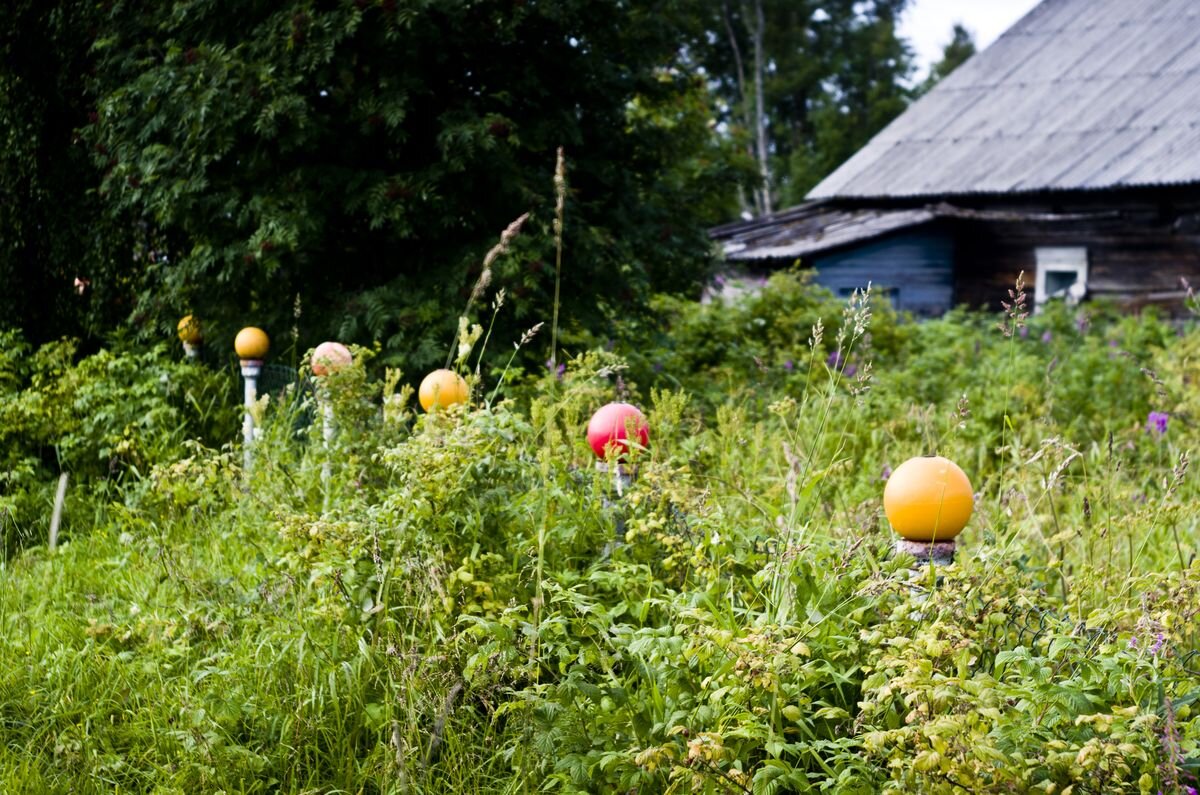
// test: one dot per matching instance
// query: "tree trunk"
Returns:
(747, 116)
(760, 114)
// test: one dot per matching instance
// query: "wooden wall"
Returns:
(1138, 250)
(1140, 244)
(915, 269)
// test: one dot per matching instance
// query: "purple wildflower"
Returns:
(788, 365)
(834, 360)
(1082, 321)
(558, 371)
(1156, 422)
(850, 370)
(1133, 641)
(886, 473)
(1159, 641)
(1024, 332)
(1047, 336)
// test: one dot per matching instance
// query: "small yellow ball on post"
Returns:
(190, 331)
(251, 343)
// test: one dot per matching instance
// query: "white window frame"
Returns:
(1061, 259)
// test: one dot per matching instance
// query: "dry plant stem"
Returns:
(1057, 529)
(1014, 312)
(1108, 512)
(439, 726)
(560, 197)
(60, 498)
(496, 306)
(1176, 478)
(485, 276)
(525, 338)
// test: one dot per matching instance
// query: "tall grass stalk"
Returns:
(525, 339)
(560, 198)
(1015, 312)
(497, 305)
(856, 318)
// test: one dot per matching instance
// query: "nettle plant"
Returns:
(987, 684)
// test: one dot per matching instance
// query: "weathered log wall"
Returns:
(1138, 249)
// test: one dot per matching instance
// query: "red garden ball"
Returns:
(610, 425)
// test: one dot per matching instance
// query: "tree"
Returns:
(833, 74)
(956, 52)
(362, 155)
(53, 231)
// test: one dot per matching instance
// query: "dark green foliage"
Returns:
(223, 158)
(53, 226)
(365, 155)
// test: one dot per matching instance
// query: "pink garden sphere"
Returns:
(608, 428)
(329, 357)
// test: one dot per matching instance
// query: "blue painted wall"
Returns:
(916, 269)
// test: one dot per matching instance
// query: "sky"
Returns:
(927, 24)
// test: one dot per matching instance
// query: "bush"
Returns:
(100, 418)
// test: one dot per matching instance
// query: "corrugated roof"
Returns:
(1078, 95)
(810, 228)
(818, 226)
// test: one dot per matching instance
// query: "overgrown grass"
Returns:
(466, 615)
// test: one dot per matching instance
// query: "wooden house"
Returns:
(1069, 149)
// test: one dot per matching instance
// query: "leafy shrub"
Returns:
(98, 418)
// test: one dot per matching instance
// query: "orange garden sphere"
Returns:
(441, 389)
(928, 499)
(252, 343)
(189, 330)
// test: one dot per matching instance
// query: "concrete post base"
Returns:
(940, 553)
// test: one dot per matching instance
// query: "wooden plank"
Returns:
(915, 269)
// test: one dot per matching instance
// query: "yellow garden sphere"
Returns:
(252, 343)
(929, 499)
(189, 330)
(441, 389)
